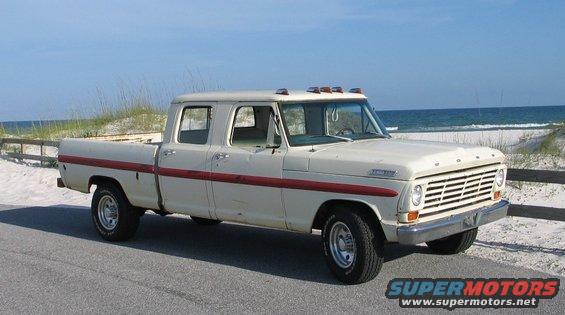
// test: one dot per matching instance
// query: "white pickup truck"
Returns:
(296, 160)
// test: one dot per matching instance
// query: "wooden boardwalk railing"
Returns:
(23, 153)
(23, 143)
(537, 176)
(525, 175)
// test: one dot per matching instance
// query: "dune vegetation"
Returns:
(127, 113)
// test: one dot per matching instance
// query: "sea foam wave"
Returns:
(479, 127)
(509, 126)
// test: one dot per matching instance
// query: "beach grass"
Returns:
(550, 145)
(127, 113)
(115, 121)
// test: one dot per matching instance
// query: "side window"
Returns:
(195, 125)
(295, 119)
(255, 127)
(245, 117)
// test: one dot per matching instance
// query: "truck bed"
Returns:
(131, 164)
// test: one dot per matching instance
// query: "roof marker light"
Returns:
(326, 89)
(356, 90)
(337, 89)
(282, 92)
(314, 89)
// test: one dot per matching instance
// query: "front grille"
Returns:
(458, 190)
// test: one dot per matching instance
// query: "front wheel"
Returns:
(353, 246)
(455, 243)
(115, 219)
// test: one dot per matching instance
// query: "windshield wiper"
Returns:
(375, 135)
(340, 137)
(331, 136)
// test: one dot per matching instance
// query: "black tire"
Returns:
(368, 243)
(455, 243)
(203, 221)
(127, 216)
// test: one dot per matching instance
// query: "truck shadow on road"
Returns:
(280, 253)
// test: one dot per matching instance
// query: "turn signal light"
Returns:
(314, 89)
(356, 90)
(496, 195)
(412, 216)
(326, 89)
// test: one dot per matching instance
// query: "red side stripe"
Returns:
(117, 165)
(280, 183)
(173, 172)
(234, 178)
(338, 188)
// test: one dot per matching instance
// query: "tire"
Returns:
(368, 242)
(203, 221)
(110, 225)
(455, 243)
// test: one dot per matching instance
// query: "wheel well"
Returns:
(98, 180)
(326, 208)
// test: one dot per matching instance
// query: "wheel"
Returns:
(203, 221)
(455, 243)
(353, 246)
(114, 217)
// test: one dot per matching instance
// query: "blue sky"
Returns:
(56, 55)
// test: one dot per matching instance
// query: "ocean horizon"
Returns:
(429, 120)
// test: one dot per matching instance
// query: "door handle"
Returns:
(169, 152)
(221, 156)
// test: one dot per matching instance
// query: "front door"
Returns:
(184, 163)
(247, 169)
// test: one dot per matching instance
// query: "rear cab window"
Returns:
(195, 125)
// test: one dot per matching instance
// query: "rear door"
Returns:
(247, 169)
(184, 165)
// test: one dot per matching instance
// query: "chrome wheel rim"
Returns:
(108, 212)
(342, 245)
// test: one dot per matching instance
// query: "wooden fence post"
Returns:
(42, 153)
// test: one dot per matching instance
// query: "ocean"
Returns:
(465, 119)
(430, 120)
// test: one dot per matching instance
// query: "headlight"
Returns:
(417, 195)
(499, 178)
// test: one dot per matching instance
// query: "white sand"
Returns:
(530, 243)
(475, 137)
(31, 185)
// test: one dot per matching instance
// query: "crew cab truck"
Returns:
(295, 160)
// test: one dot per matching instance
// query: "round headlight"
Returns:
(417, 195)
(499, 178)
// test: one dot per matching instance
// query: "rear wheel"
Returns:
(353, 246)
(203, 221)
(115, 219)
(455, 243)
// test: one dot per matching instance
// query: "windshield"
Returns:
(320, 123)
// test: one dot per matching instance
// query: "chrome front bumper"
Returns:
(429, 231)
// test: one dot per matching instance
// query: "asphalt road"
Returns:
(52, 260)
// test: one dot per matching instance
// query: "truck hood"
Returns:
(408, 158)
